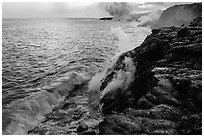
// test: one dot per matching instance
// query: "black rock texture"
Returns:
(106, 18)
(166, 94)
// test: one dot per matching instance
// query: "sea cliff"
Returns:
(155, 88)
(178, 15)
(161, 85)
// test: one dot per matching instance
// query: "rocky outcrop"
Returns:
(164, 95)
(106, 18)
(179, 15)
(77, 115)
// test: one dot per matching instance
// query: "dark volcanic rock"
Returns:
(82, 127)
(120, 124)
(165, 96)
(191, 124)
(158, 112)
(106, 18)
(78, 115)
(128, 125)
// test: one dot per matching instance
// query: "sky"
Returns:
(72, 9)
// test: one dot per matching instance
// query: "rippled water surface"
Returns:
(35, 51)
(43, 60)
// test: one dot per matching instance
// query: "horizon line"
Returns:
(57, 17)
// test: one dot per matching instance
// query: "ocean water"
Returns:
(37, 51)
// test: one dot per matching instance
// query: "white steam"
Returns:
(95, 82)
(118, 8)
(122, 79)
(149, 19)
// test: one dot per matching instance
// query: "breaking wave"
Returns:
(24, 114)
(26, 99)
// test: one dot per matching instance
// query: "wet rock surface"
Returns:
(166, 94)
(154, 89)
(77, 115)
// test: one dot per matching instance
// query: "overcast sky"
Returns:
(70, 9)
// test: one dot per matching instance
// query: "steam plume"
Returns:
(118, 8)
(150, 18)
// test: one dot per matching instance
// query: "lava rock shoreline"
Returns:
(166, 94)
(159, 91)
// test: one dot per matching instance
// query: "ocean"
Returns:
(36, 52)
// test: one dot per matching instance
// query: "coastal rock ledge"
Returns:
(165, 96)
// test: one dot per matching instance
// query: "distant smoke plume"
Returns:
(150, 18)
(128, 11)
(118, 8)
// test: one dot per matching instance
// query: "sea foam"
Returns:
(24, 114)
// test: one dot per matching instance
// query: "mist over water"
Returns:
(129, 36)
(149, 19)
(125, 33)
(124, 40)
